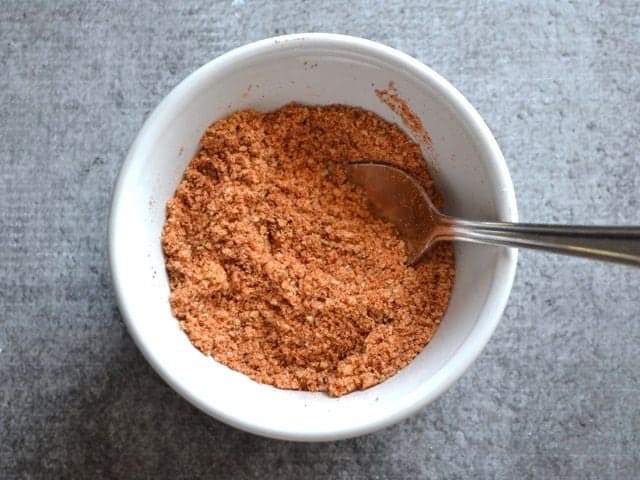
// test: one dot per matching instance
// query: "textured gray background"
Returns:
(555, 393)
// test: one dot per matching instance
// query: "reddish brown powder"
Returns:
(276, 266)
(392, 99)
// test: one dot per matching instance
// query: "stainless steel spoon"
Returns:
(398, 198)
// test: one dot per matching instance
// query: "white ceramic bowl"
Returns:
(312, 69)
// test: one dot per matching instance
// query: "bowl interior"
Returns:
(312, 69)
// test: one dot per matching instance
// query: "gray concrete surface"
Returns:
(554, 395)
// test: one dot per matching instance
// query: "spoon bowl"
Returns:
(398, 198)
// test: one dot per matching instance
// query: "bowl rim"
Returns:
(505, 268)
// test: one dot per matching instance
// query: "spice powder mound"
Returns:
(277, 268)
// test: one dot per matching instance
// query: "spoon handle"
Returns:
(613, 244)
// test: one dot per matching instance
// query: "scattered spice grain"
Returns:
(276, 266)
(392, 99)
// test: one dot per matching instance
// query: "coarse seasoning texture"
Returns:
(276, 266)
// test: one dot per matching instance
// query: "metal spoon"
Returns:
(398, 198)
